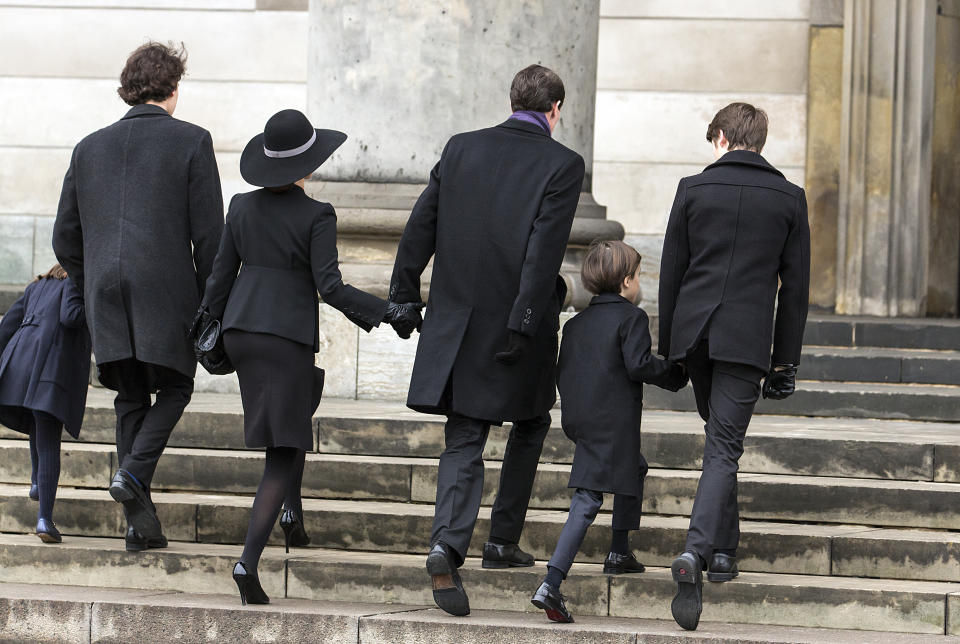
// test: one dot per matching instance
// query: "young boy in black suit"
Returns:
(605, 357)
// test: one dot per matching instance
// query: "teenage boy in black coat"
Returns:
(495, 217)
(735, 230)
(137, 230)
(604, 360)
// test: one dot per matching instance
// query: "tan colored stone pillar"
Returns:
(884, 214)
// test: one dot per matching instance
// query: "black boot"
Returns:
(722, 568)
(687, 604)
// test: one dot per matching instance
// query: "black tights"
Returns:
(278, 472)
(293, 500)
(45, 453)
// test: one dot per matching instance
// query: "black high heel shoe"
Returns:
(294, 534)
(249, 585)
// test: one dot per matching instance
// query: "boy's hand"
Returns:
(678, 377)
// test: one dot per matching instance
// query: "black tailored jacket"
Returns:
(45, 356)
(495, 217)
(137, 229)
(605, 357)
(734, 229)
(278, 250)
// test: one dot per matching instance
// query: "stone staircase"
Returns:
(848, 524)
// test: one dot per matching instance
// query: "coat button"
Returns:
(529, 311)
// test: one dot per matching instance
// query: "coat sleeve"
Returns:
(205, 207)
(226, 264)
(793, 298)
(11, 321)
(361, 308)
(637, 349)
(418, 242)
(72, 313)
(673, 264)
(546, 246)
(67, 230)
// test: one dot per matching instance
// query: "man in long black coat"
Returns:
(495, 217)
(735, 230)
(137, 229)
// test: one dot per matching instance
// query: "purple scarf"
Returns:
(530, 116)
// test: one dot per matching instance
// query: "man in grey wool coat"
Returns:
(138, 226)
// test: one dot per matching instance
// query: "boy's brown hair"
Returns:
(56, 272)
(152, 73)
(607, 264)
(744, 125)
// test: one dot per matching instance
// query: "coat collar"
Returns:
(523, 125)
(143, 109)
(609, 298)
(744, 157)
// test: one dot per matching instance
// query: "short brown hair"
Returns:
(152, 73)
(607, 264)
(744, 125)
(56, 272)
(535, 88)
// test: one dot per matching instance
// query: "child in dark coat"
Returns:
(44, 373)
(605, 357)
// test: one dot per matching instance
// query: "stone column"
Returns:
(400, 77)
(883, 222)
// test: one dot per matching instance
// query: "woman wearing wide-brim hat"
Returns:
(279, 249)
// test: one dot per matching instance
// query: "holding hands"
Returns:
(404, 318)
(678, 377)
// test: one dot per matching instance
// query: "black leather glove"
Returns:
(404, 318)
(678, 378)
(517, 343)
(780, 382)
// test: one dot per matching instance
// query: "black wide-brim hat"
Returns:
(288, 150)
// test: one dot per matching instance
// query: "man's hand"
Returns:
(517, 343)
(404, 318)
(780, 382)
(678, 377)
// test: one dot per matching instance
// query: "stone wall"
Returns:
(664, 70)
(59, 65)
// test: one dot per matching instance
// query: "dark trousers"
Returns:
(726, 394)
(584, 506)
(460, 480)
(144, 428)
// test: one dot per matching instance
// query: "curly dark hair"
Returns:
(152, 73)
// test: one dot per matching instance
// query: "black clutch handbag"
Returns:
(207, 342)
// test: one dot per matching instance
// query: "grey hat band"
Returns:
(283, 154)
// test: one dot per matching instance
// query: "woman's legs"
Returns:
(293, 500)
(47, 430)
(274, 487)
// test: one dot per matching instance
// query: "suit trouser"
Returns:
(144, 428)
(460, 480)
(726, 394)
(583, 510)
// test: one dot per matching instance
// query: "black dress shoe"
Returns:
(722, 568)
(549, 599)
(688, 602)
(251, 592)
(137, 505)
(448, 592)
(294, 534)
(47, 531)
(505, 556)
(617, 564)
(136, 542)
(34, 492)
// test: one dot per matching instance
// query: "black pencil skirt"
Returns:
(276, 386)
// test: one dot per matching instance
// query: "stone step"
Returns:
(841, 399)
(847, 447)
(853, 364)
(324, 575)
(83, 615)
(813, 549)
(904, 333)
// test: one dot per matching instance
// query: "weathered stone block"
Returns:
(44, 620)
(16, 248)
(80, 465)
(338, 354)
(898, 554)
(384, 364)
